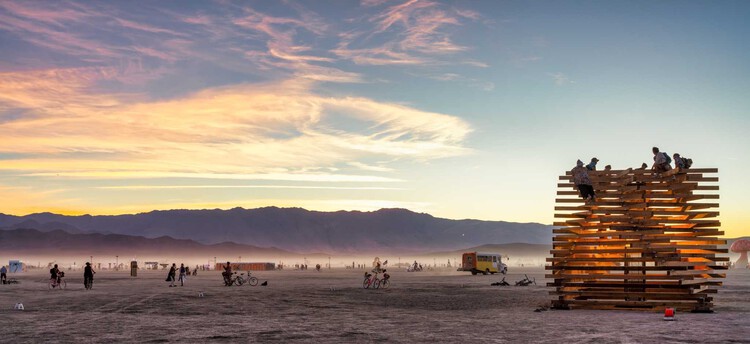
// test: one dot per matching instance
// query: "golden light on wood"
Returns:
(648, 242)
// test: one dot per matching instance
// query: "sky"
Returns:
(460, 109)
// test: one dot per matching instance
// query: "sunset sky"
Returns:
(461, 109)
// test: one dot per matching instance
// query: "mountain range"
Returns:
(296, 229)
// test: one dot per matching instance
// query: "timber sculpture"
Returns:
(648, 241)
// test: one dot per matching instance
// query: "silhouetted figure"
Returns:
(183, 274)
(227, 274)
(88, 276)
(54, 274)
(265, 283)
(171, 274)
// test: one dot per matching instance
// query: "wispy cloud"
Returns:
(412, 32)
(301, 187)
(271, 131)
(561, 79)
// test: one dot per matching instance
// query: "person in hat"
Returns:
(583, 182)
(592, 165)
(88, 276)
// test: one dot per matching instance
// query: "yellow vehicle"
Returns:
(485, 263)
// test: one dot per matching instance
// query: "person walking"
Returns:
(171, 274)
(3, 276)
(183, 275)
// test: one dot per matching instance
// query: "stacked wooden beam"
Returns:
(648, 241)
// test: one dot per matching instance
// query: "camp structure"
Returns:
(648, 241)
(243, 266)
(16, 266)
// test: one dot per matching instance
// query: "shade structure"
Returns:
(649, 241)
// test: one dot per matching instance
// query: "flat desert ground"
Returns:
(332, 307)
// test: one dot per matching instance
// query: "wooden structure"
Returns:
(649, 241)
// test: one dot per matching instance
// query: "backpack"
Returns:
(669, 159)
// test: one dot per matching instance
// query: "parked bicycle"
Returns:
(526, 281)
(251, 280)
(502, 283)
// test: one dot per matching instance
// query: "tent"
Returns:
(16, 266)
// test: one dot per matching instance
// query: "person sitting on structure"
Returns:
(582, 182)
(682, 163)
(662, 161)
(592, 165)
(678, 163)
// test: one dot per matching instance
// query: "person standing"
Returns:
(583, 182)
(183, 275)
(3, 276)
(54, 274)
(171, 274)
(227, 274)
(88, 276)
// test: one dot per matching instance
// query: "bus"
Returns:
(484, 263)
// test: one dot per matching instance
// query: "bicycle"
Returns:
(526, 281)
(88, 283)
(58, 283)
(251, 280)
(371, 280)
(385, 282)
(233, 279)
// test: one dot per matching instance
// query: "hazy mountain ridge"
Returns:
(298, 229)
(25, 240)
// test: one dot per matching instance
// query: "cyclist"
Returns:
(88, 276)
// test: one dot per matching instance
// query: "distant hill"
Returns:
(298, 229)
(32, 241)
(510, 250)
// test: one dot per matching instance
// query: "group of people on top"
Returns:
(662, 163)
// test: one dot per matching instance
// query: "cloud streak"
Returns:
(279, 131)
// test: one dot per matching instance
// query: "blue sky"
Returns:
(461, 109)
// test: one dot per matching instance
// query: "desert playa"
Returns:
(332, 307)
